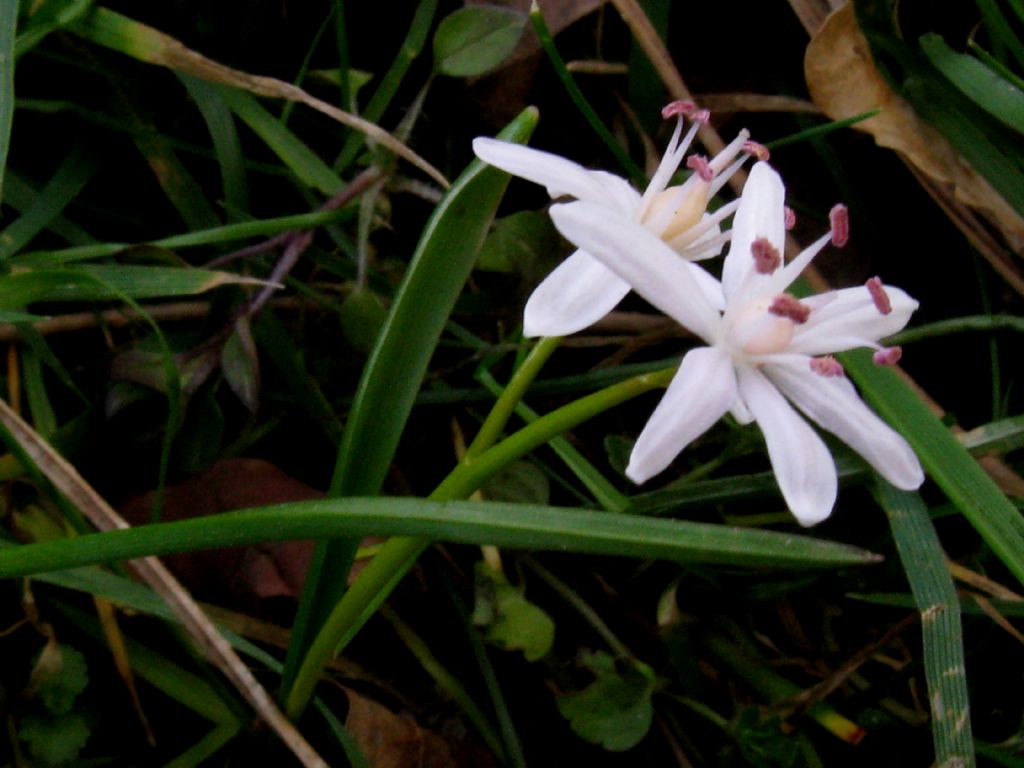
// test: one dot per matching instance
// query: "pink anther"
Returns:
(766, 256)
(790, 308)
(676, 108)
(878, 295)
(790, 218)
(887, 356)
(700, 165)
(827, 366)
(839, 218)
(760, 151)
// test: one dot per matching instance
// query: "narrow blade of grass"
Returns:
(925, 565)
(8, 26)
(226, 146)
(109, 282)
(504, 524)
(947, 462)
(71, 176)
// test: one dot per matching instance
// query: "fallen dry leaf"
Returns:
(843, 80)
(395, 740)
(272, 569)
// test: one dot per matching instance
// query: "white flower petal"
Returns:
(578, 293)
(802, 464)
(848, 318)
(702, 390)
(641, 259)
(762, 213)
(834, 404)
(560, 176)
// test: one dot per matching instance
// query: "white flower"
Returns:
(765, 349)
(581, 290)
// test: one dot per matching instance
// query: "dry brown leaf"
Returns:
(843, 80)
(396, 740)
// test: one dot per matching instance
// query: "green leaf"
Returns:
(947, 462)
(54, 741)
(519, 481)
(362, 315)
(8, 25)
(615, 711)
(519, 243)
(108, 283)
(398, 364)
(73, 174)
(924, 562)
(473, 41)
(240, 363)
(524, 526)
(293, 152)
(59, 675)
(509, 620)
(996, 95)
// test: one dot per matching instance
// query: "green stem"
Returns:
(399, 554)
(445, 680)
(582, 608)
(588, 112)
(510, 397)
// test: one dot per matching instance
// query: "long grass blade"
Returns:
(8, 26)
(468, 522)
(925, 565)
(947, 462)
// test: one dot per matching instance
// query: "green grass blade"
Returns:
(1000, 98)
(947, 462)
(293, 152)
(21, 196)
(226, 145)
(411, 48)
(590, 115)
(523, 526)
(36, 29)
(109, 282)
(72, 175)
(8, 26)
(212, 236)
(397, 365)
(932, 586)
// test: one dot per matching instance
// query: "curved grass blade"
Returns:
(997, 96)
(941, 631)
(226, 144)
(397, 365)
(946, 460)
(73, 174)
(120, 33)
(8, 25)
(524, 526)
(224, 234)
(110, 282)
(411, 48)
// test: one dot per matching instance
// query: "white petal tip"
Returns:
(808, 516)
(639, 472)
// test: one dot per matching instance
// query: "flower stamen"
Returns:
(887, 356)
(700, 165)
(839, 218)
(790, 308)
(827, 366)
(766, 256)
(878, 295)
(758, 150)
